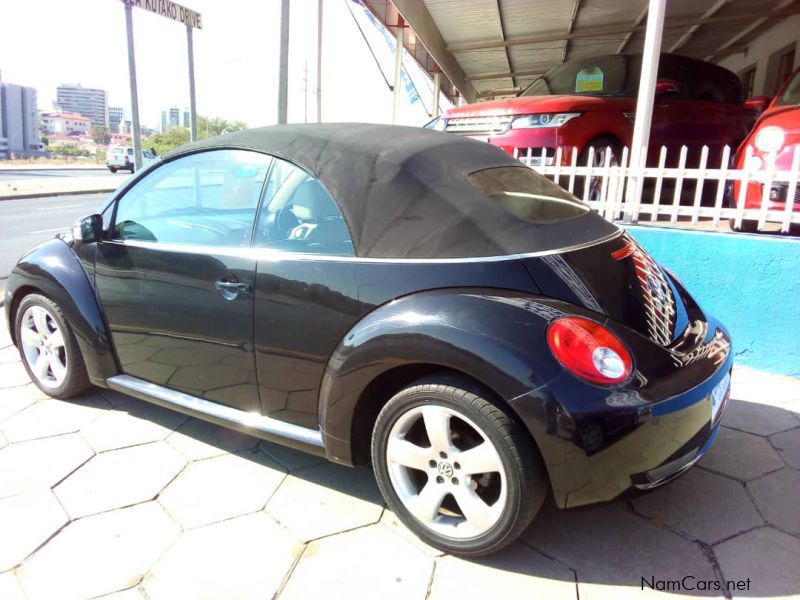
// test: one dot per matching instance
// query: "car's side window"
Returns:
(298, 215)
(209, 198)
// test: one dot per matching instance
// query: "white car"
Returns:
(121, 157)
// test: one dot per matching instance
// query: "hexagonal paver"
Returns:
(27, 521)
(741, 455)
(119, 478)
(289, 458)
(611, 549)
(198, 439)
(788, 445)
(768, 557)
(512, 573)
(705, 506)
(135, 422)
(40, 464)
(760, 419)
(19, 398)
(245, 557)
(327, 499)
(777, 496)
(100, 554)
(10, 588)
(9, 354)
(129, 594)
(53, 417)
(12, 375)
(763, 388)
(348, 566)
(221, 487)
(393, 524)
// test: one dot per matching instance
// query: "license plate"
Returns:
(718, 395)
(480, 138)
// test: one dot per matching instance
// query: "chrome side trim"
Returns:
(217, 412)
(267, 254)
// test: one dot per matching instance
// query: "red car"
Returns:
(775, 137)
(591, 102)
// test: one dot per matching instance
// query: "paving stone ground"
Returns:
(107, 496)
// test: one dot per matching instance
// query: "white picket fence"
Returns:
(638, 195)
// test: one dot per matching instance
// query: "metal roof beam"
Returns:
(622, 29)
(575, 8)
(776, 11)
(419, 19)
(507, 75)
(690, 32)
(628, 36)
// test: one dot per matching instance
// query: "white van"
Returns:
(121, 157)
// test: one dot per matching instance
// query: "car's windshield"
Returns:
(614, 75)
(791, 93)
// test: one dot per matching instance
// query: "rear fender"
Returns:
(498, 337)
(53, 270)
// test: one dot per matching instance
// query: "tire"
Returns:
(600, 144)
(502, 501)
(37, 314)
(112, 169)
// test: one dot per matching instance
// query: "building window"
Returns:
(785, 66)
(748, 78)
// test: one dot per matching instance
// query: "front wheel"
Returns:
(112, 169)
(48, 348)
(455, 468)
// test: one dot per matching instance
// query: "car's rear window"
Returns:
(526, 194)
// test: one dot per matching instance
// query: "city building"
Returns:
(115, 117)
(65, 123)
(89, 102)
(172, 118)
(19, 121)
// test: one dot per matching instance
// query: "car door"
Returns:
(176, 274)
(303, 243)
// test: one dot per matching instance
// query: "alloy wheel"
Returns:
(446, 471)
(43, 346)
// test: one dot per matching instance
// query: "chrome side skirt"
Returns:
(254, 424)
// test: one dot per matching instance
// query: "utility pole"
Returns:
(137, 141)
(283, 65)
(192, 100)
(319, 61)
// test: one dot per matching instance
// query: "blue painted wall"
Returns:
(750, 282)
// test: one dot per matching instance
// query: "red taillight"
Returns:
(589, 350)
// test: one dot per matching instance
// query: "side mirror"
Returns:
(757, 103)
(88, 229)
(667, 86)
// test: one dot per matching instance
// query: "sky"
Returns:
(45, 43)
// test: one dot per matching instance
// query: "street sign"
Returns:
(171, 10)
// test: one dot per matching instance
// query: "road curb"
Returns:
(51, 194)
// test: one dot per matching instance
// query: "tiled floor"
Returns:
(109, 496)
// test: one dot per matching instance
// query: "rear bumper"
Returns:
(625, 446)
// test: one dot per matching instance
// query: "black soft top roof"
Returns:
(404, 190)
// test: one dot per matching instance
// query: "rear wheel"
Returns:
(748, 226)
(455, 468)
(48, 348)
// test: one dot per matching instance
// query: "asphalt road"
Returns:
(29, 221)
(36, 173)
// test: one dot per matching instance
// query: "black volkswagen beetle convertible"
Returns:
(386, 295)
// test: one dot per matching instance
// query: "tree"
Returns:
(100, 135)
(177, 136)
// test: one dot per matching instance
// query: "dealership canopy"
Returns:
(489, 48)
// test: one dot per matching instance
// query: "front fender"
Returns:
(53, 270)
(497, 337)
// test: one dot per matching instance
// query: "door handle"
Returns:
(232, 289)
